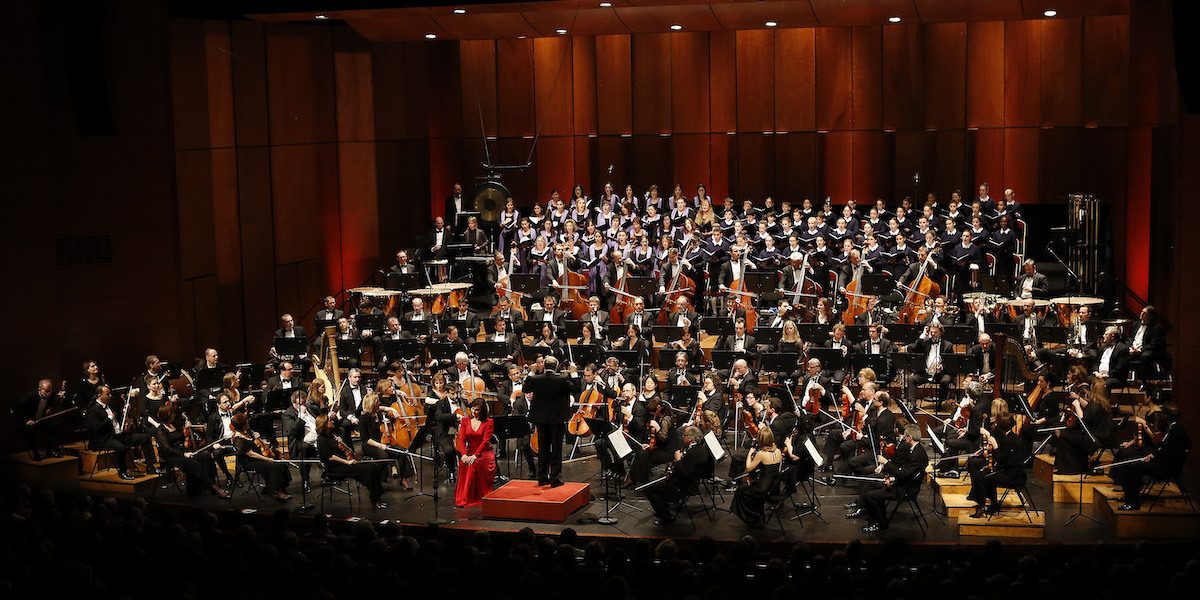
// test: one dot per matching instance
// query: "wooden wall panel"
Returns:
(444, 94)
(755, 81)
(1022, 73)
(1106, 71)
(302, 178)
(1061, 72)
(615, 151)
(722, 98)
(583, 168)
(515, 92)
(652, 90)
(478, 74)
(445, 169)
(871, 167)
(358, 212)
(300, 84)
(189, 74)
(650, 159)
(1021, 163)
(1065, 174)
(838, 158)
(257, 238)
(945, 75)
(985, 74)
(834, 78)
(903, 77)
(614, 86)
(796, 78)
(949, 168)
(689, 91)
(692, 162)
(583, 72)
(555, 169)
(228, 252)
(990, 152)
(911, 148)
(796, 174)
(867, 77)
(755, 173)
(249, 44)
(402, 181)
(553, 82)
(193, 172)
(355, 95)
(401, 95)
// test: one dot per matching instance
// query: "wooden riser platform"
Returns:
(1066, 487)
(527, 501)
(957, 505)
(88, 459)
(48, 471)
(1171, 517)
(1006, 525)
(107, 481)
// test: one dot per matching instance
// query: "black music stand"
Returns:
(616, 330)
(294, 346)
(665, 334)
(724, 359)
(574, 329)
(905, 363)
(416, 328)
(508, 427)
(403, 281)
(904, 333)
(768, 336)
(252, 373)
(350, 348)
(490, 350)
(813, 333)
(1011, 330)
(373, 322)
(858, 333)
(960, 335)
(443, 326)
(831, 359)
(875, 362)
(877, 285)
(719, 326)
(780, 362)
(760, 282)
(602, 427)
(525, 283)
(631, 359)
(320, 325)
(405, 348)
(585, 354)
(641, 286)
(531, 353)
(1051, 335)
(440, 352)
(278, 399)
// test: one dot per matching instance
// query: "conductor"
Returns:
(549, 409)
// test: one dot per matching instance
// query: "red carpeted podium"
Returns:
(524, 500)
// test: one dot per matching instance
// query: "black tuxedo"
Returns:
(986, 358)
(329, 315)
(908, 469)
(681, 395)
(1040, 283)
(749, 345)
(549, 410)
(412, 315)
(686, 473)
(919, 376)
(557, 318)
(864, 347)
(471, 320)
(450, 214)
(601, 318)
(104, 436)
(275, 382)
(1118, 365)
(293, 428)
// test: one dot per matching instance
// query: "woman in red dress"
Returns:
(477, 469)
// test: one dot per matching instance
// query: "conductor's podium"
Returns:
(524, 500)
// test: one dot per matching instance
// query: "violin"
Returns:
(812, 403)
(962, 417)
(888, 449)
(265, 448)
(658, 414)
(347, 451)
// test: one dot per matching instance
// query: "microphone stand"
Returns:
(1079, 496)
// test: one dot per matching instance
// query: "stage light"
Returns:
(676, 27)
(560, 31)
(431, 36)
(460, 11)
(771, 24)
(893, 19)
(605, 4)
(321, 17)
(1050, 13)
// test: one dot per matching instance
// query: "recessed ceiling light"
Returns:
(560, 31)
(520, 37)
(605, 4)
(431, 36)
(321, 17)
(771, 23)
(460, 11)
(676, 27)
(893, 19)
(1050, 12)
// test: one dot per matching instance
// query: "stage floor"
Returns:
(636, 520)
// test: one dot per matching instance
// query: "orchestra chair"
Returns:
(172, 477)
(1175, 477)
(1021, 489)
(254, 480)
(1021, 229)
(911, 499)
(681, 504)
(338, 485)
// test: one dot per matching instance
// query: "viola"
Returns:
(812, 404)
(655, 416)
(265, 448)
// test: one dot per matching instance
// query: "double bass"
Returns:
(623, 307)
(680, 286)
(921, 289)
(504, 289)
(571, 286)
(804, 293)
(742, 298)
(856, 303)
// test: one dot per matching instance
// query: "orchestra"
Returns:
(629, 311)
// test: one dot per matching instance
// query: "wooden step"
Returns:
(1043, 467)
(1171, 517)
(1067, 487)
(957, 505)
(107, 481)
(1005, 524)
(48, 471)
(958, 485)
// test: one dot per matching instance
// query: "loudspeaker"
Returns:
(86, 30)
(1185, 22)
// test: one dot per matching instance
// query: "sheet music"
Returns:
(619, 444)
(714, 446)
(936, 442)
(812, 451)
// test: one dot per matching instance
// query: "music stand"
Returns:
(372, 322)
(278, 399)
(531, 353)
(959, 364)
(831, 359)
(574, 329)
(813, 333)
(350, 348)
(960, 335)
(877, 285)
(719, 326)
(616, 330)
(858, 333)
(525, 283)
(641, 286)
(603, 427)
(768, 336)
(320, 325)
(252, 373)
(295, 346)
(443, 325)
(402, 281)
(415, 328)
(1051, 335)
(875, 362)
(779, 362)
(585, 354)
(508, 427)
(490, 350)
(723, 359)
(665, 334)
(461, 218)
(410, 348)
(441, 351)
(905, 333)
(666, 357)
(759, 282)
(1011, 330)
(628, 358)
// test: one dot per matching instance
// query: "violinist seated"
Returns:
(740, 341)
(798, 463)
(904, 473)
(740, 378)
(761, 470)
(597, 317)
(340, 461)
(869, 419)
(446, 427)
(713, 409)
(199, 467)
(496, 367)
(275, 473)
(105, 423)
(36, 405)
(300, 428)
(960, 433)
(1088, 428)
(378, 414)
(681, 383)
(1001, 463)
(1112, 359)
(689, 346)
(692, 463)
(814, 382)
(838, 341)
(767, 413)
(1165, 459)
(550, 313)
(931, 345)
(511, 395)
(546, 338)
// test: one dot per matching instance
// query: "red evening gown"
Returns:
(475, 480)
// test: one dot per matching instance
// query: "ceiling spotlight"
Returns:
(460, 11)
(893, 19)
(676, 27)
(321, 17)
(520, 37)
(1050, 13)
(771, 24)
(560, 31)
(431, 36)
(605, 4)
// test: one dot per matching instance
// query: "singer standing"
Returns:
(549, 409)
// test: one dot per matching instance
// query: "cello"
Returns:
(588, 401)
(920, 289)
(623, 307)
(570, 285)
(742, 298)
(856, 303)
(504, 289)
(680, 286)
